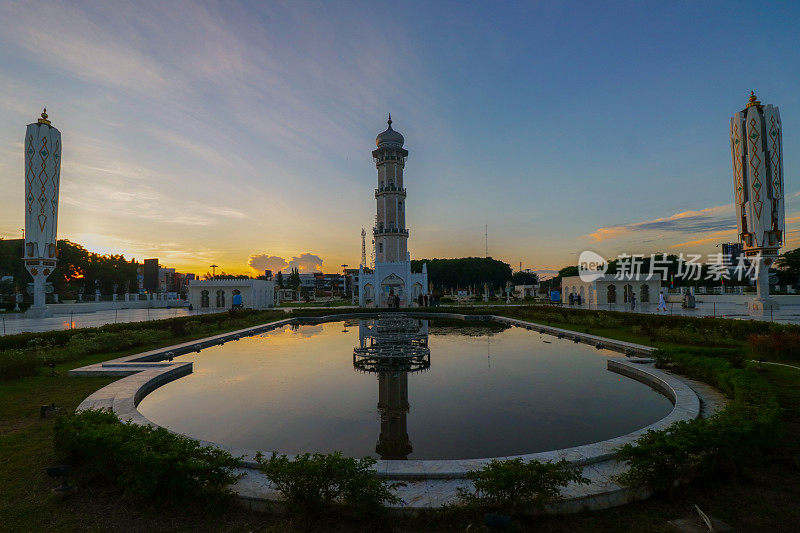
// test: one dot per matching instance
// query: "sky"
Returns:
(240, 133)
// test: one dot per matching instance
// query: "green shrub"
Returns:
(778, 346)
(731, 441)
(312, 483)
(145, 462)
(515, 485)
(15, 364)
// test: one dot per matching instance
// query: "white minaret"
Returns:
(390, 279)
(757, 154)
(42, 176)
(391, 235)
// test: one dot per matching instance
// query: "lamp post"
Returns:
(344, 281)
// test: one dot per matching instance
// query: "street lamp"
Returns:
(344, 281)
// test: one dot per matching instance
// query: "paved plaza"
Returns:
(13, 323)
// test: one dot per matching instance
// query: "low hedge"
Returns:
(731, 441)
(515, 485)
(311, 484)
(145, 462)
(779, 346)
(25, 353)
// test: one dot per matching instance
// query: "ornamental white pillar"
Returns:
(756, 137)
(42, 176)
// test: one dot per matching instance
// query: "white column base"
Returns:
(762, 306)
(38, 312)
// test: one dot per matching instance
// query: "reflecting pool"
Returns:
(453, 390)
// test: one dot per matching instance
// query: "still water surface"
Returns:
(490, 391)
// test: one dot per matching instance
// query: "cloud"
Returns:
(305, 262)
(261, 262)
(711, 219)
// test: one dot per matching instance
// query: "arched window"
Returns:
(220, 298)
(612, 294)
(204, 299)
(644, 293)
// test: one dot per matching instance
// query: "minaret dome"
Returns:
(389, 137)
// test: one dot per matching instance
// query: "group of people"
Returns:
(425, 300)
(393, 301)
(575, 299)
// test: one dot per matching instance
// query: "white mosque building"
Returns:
(392, 273)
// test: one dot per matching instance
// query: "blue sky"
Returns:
(213, 132)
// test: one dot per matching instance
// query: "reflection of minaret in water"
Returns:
(392, 347)
(393, 442)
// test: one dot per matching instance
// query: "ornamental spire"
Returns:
(753, 101)
(389, 122)
(44, 120)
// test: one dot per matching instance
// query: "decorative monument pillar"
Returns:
(42, 175)
(757, 154)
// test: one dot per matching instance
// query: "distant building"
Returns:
(219, 293)
(526, 291)
(150, 281)
(731, 252)
(608, 290)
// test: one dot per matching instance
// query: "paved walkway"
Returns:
(13, 323)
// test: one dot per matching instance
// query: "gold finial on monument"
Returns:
(753, 101)
(44, 120)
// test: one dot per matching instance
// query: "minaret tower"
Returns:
(757, 152)
(42, 176)
(391, 235)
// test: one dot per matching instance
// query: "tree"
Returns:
(789, 262)
(294, 279)
(524, 278)
(465, 271)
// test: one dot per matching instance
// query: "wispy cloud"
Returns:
(714, 219)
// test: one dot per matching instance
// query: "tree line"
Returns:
(78, 270)
(463, 272)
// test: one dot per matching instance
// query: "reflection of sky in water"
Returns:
(296, 390)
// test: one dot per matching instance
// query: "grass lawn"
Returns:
(765, 501)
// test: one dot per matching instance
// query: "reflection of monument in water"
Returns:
(392, 347)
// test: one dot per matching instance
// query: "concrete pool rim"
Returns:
(149, 370)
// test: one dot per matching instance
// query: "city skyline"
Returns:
(237, 134)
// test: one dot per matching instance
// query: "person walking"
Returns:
(633, 301)
(571, 299)
(662, 303)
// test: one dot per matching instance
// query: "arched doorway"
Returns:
(612, 294)
(369, 295)
(220, 298)
(417, 291)
(628, 293)
(393, 285)
(204, 299)
(644, 293)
